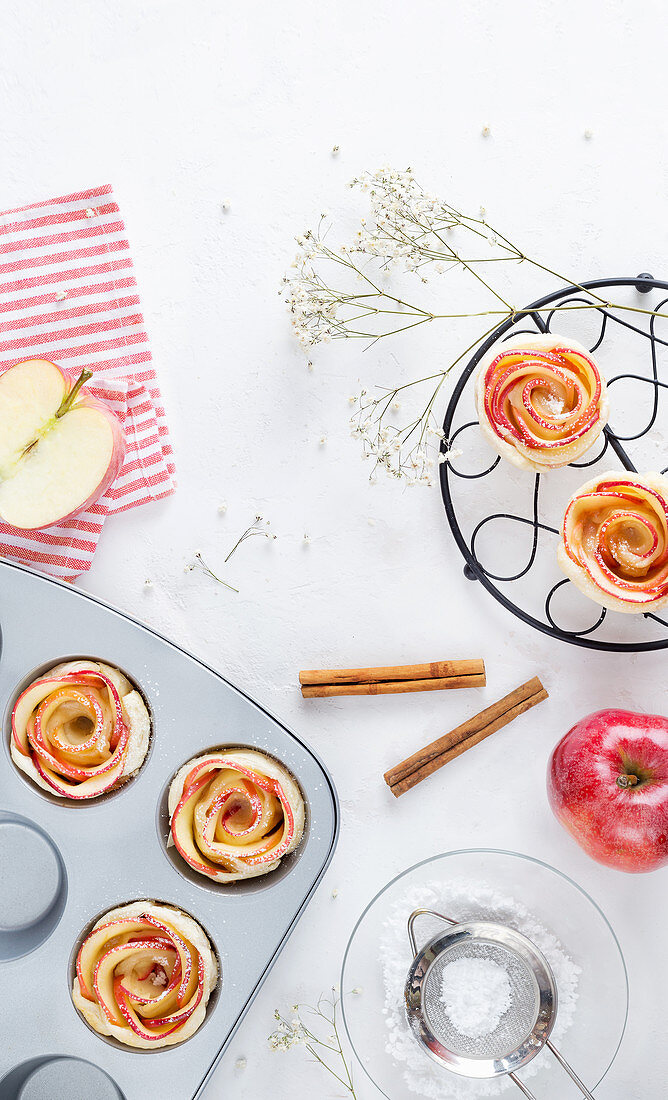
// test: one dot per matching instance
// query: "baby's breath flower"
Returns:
(305, 1029)
(337, 290)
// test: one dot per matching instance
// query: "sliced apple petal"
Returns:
(94, 943)
(156, 1032)
(185, 953)
(24, 707)
(183, 835)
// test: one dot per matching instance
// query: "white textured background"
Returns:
(184, 105)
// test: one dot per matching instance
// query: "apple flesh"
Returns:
(607, 784)
(60, 448)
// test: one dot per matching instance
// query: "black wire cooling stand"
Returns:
(545, 538)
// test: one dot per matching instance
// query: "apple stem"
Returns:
(625, 781)
(70, 398)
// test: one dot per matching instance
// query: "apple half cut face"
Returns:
(60, 448)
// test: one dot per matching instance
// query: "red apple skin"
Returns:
(618, 823)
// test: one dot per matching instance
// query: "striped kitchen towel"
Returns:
(68, 293)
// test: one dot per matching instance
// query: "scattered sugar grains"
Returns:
(463, 900)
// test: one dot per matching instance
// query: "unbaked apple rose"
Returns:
(80, 730)
(614, 541)
(235, 814)
(144, 975)
(541, 401)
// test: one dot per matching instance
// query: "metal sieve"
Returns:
(523, 1029)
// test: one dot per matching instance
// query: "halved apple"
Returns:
(60, 448)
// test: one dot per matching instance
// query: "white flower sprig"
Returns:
(200, 564)
(257, 527)
(341, 293)
(328, 1050)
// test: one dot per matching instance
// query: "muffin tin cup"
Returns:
(34, 886)
(52, 796)
(54, 1075)
(251, 885)
(110, 850)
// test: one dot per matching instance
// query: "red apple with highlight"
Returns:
(607, 784)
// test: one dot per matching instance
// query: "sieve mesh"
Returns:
(515, 1025)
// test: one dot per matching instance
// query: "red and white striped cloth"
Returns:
(68, 293)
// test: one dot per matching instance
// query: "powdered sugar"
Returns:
(476, 994)
(462, 900)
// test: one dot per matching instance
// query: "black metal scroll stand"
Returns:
(591, 637)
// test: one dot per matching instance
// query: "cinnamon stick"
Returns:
(415, 768)
(435, 669)
(392, 679)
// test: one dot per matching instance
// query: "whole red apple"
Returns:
(607, 783)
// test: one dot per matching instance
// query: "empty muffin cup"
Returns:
(55, 1075)
(34, 882)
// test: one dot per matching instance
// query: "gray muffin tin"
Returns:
(62, 865)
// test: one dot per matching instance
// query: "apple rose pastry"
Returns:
(235, 814)
(541, 401)
(144, 975)
(614, 541)
(80, 730)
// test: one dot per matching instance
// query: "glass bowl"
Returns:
(557, 903)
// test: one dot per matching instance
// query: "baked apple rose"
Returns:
(80, 730)
(145, 973)
(541, 401)
(614, 541)
(235, 814)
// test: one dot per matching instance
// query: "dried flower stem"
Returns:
(210, 573)
(416, 232)
(296, 1032)
(255, 528)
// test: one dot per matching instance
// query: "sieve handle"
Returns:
(571, 1072)
(424, 913)
(562, 1062)
(521, 1086)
